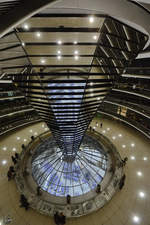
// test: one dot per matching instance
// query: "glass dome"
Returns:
(59, 177)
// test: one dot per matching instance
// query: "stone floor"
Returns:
(129, 206)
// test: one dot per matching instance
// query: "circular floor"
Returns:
(129, 206)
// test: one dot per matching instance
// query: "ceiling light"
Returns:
(42, 125)
(25, 140)
(113, 137)
(4, 148)
(145, 158)
(59, 57)
(35, 133)
(95, 37)
(132, 144)
(104, 131)
(46, 128)
(108, 128)
(76, 57)
(23, 44)
(31, 131)
(91, 83)
(141, 194)
(4, 162)
(38, 34)
(133, 157)
(59, 42)
(98, 98)
(59, 52)
(26, 26)
(119, 135)
(94, 128)
(75, 42)
(91, 19)
(42, 61)
(14, 149)
(76, 52)
(123, 146)
(139, 173)
(18, 138)
(136, 219)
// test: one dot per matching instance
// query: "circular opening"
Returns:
(61, 177)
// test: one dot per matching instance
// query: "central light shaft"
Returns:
(74, 103)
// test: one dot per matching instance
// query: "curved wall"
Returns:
(123, 10)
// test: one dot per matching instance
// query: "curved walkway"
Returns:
(128, 207)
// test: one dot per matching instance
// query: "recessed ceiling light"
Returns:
(145, 158)
(46, 128)
(91, 83)
(104, 131)
(42, 125)
(59, 42)
(18, 138)
(113, 137)
(59, 57)
(4, 162)
(25, 140)
(139, 173)
(4, 148)
(119, 135)
(98, 98)
(91, 19)
(14, 149)
(59, 52)
(38, 34)
(123, 146)
(108, 128)
(141, 194)
(35, 133)
(42, 61)
(31, 131)
(95, 37)
(26, 26)
(23, 44)
(94, 128)
(133, 157)
(76, 57)
(75, 42)
(76, 52)
(132, 144)
(136, 219)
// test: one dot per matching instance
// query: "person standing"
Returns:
(38, 191)
(101, 125)
(9, 175)
(56, 218)
(98, 188)
(13, 159)
(68, 199)
(16, 156)
(62, 219)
